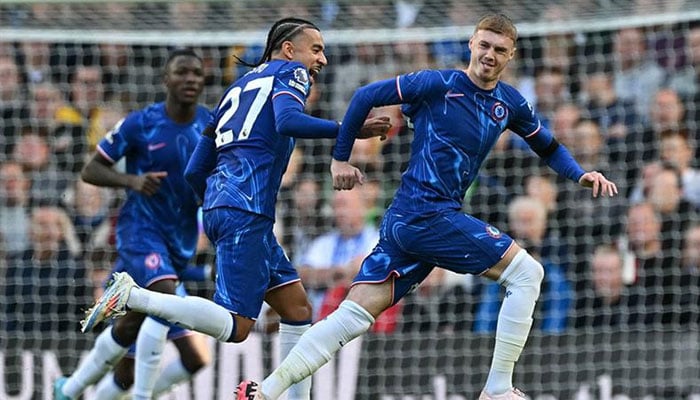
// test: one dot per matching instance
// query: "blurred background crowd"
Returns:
(625, 101)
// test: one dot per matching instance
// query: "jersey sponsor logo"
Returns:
(493, 231)
(156, 146)
(498, 111)
(152, 261)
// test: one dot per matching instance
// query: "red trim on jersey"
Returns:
(539, 127)
(104, 154)
(398, 88)
(289, 93)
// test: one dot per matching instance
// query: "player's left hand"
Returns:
(599, 183)
(345, 175)
(375, 126)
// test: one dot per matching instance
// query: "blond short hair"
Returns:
(498, 23)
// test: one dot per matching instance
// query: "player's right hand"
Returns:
(375, 127)
(148, 183)
(345, 175)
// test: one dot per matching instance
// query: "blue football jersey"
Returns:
(456, 124)
(152, 142)
(251, 154)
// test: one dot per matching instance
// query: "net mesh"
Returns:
(616, 81)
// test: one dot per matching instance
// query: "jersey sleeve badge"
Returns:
(300, 81)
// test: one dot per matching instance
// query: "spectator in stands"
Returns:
(691, 250)
(606, 300)
(642, 146)
(551, 90)
(300, 217)
(687, 80)
(542, 187)
(89, 209)
(334, 258)
(48, 183)
(86, 97)
(36, 61)
(636, 72)
(675, 148)
(12, 104)
(119, 77)
(47, 284)
(527, 222)
(365, 63)
(657, 268)
(615, 116)
(187, 15)
(442, 303)
(45, 102)
(14, 208)
(676, 214)
(582, 219)
(564, 120)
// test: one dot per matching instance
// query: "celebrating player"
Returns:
(237, 168)
(457, 116)
(157, 228)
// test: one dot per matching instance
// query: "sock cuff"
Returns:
(294, 328)
(295, 323)
(357, 310)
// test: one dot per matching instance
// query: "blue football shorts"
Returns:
(146, 267)
(249, 260)
(411, 245)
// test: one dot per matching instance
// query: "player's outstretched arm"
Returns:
(99, 171)
(600, 184)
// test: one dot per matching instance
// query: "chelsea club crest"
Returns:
(498, 111)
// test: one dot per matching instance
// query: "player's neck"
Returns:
(480, 83)
(180, 113)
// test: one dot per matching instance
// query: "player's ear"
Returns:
(288, 50)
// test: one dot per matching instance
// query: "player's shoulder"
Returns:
(135, 120)
(153, 112)
(286, 67)
(509, 91)
(432, 79)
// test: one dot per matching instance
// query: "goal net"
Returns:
(617, 82)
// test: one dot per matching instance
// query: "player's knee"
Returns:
(524, 271)
(301, 311)
(242, 327)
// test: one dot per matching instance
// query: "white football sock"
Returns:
(173, 374)
(522, 279)
(108, 389)
(103, 356)
(191, 312)
(317, 346)
(289, 336)
(149, 347)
